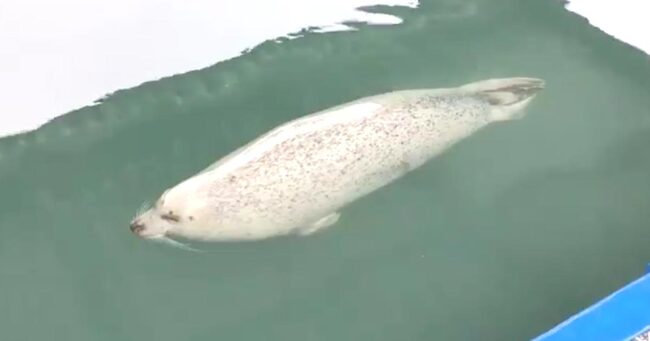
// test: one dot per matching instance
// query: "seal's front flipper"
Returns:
(320, 224)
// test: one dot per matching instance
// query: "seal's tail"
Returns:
(507, 96)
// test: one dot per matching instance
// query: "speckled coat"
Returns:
(297, 177)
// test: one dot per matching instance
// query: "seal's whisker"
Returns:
(175, 243)
(143, 208)
(179, 245)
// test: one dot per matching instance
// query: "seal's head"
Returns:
(174, 213)
(155, 221)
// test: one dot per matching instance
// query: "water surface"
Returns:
(507, 234)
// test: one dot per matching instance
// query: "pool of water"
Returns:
(500, 238)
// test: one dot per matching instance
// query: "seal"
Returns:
(296, 178)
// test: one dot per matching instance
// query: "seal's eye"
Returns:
(170, 217)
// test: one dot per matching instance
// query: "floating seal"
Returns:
(296, 178)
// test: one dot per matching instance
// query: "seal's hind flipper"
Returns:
(507, 97)
(506, 91)
(320, 224)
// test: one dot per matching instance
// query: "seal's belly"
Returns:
(310, 175)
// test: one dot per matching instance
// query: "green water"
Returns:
(507, 234)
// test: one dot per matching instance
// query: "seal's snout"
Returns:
(136, 227)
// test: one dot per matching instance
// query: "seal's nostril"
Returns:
(136, 227)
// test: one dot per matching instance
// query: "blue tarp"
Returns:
(623, 315)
